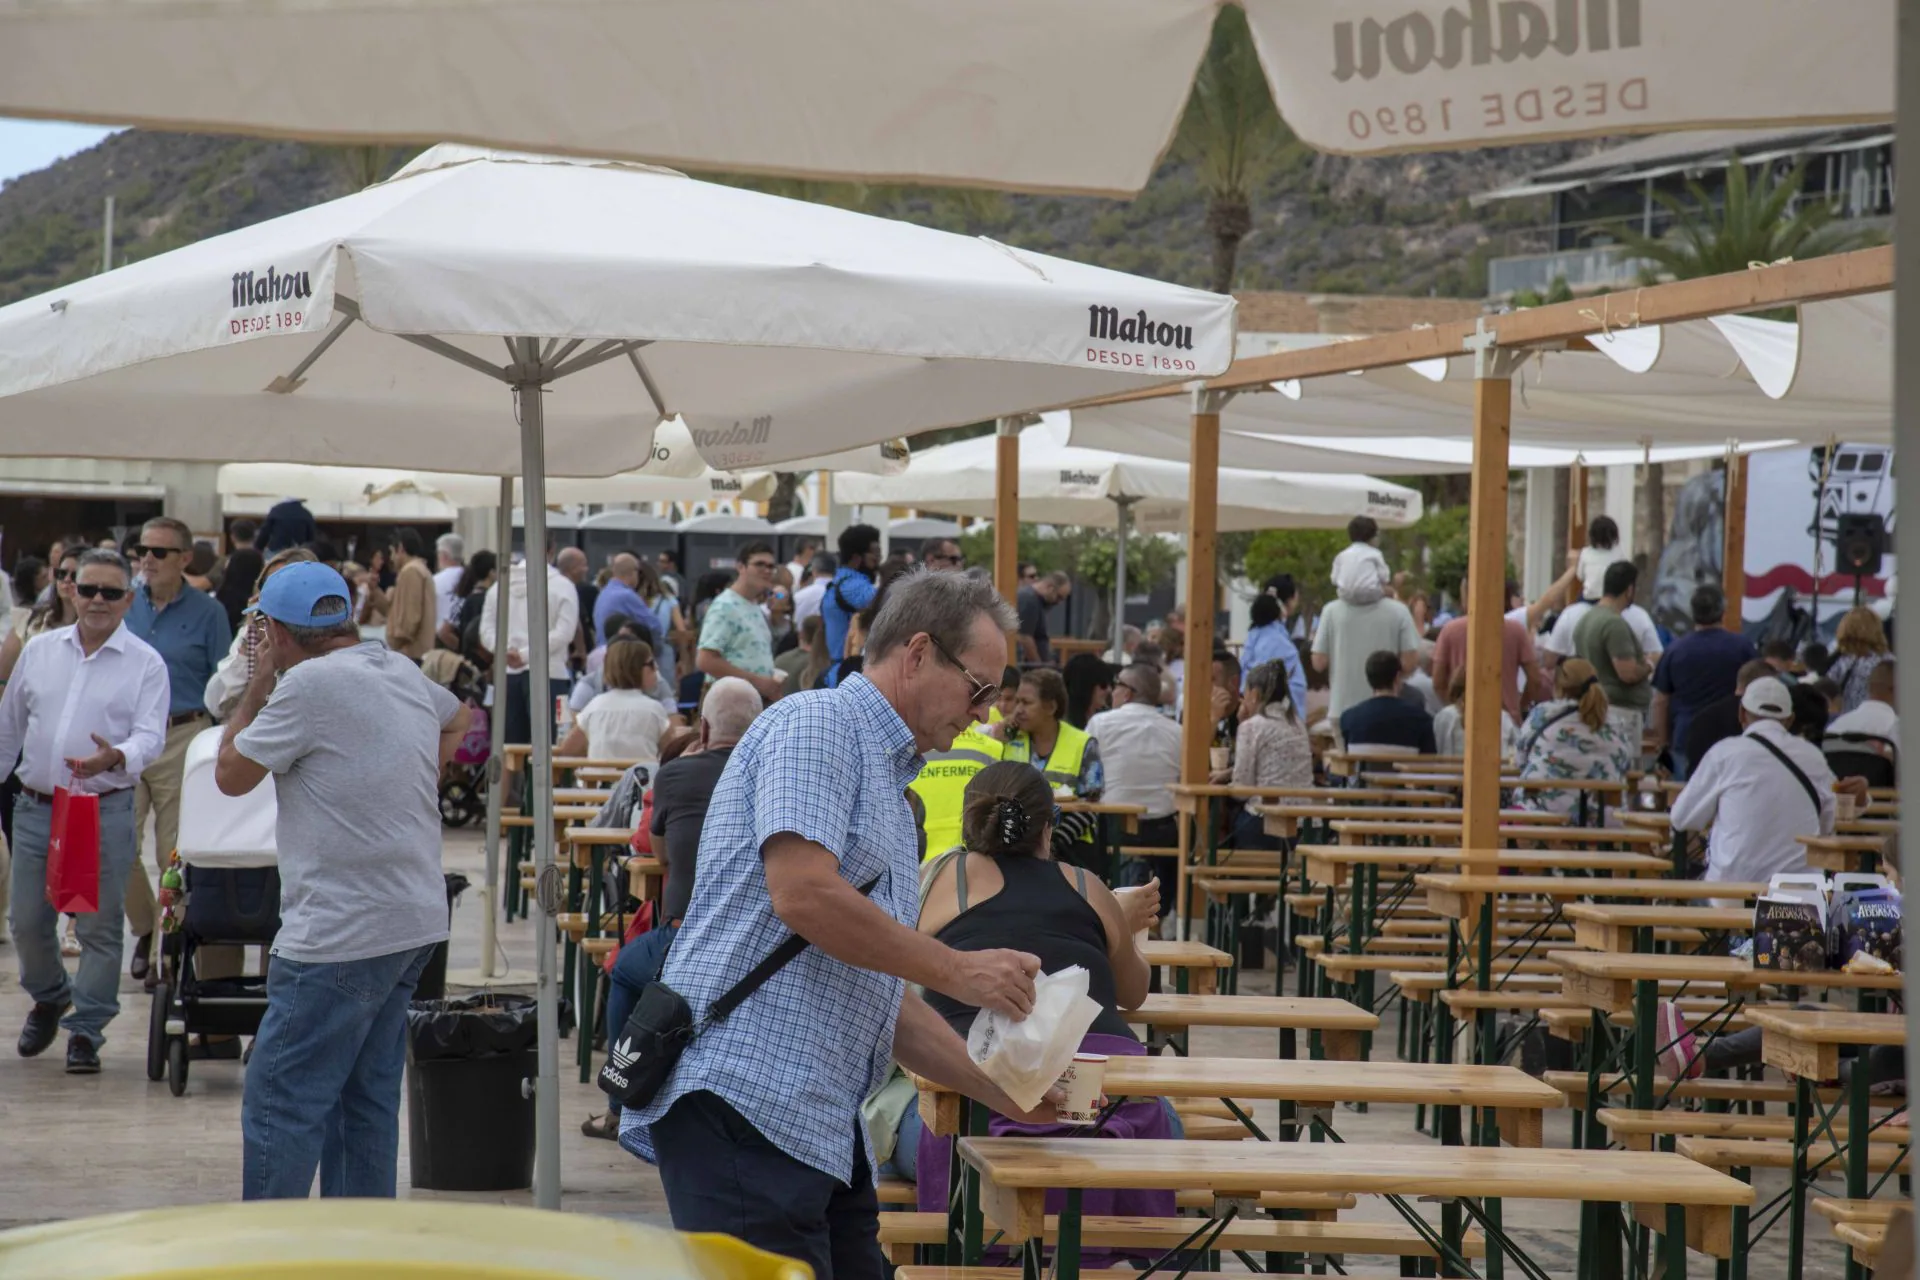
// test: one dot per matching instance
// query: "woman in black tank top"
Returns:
(1002, 889)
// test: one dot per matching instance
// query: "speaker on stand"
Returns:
(1859, 542)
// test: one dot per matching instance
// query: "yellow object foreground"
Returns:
(375, 1240)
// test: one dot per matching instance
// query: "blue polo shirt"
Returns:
(191, 633)
(859, 591)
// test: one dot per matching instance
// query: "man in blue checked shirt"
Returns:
(757, 1133)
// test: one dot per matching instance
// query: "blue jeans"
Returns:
(638, 963)
(323, 1087)
(95, 992)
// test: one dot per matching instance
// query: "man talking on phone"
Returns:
(355, 736)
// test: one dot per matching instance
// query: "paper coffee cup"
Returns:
(1082, 1081)
(1845, 807)
(1220, 758)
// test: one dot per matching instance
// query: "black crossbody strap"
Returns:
(1812, 793)
(759, 975)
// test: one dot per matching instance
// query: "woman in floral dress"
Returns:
(1570, 737)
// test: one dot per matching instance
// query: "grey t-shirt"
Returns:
(353, 741)
(1348, 635)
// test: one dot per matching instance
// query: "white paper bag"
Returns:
(1026, 1058)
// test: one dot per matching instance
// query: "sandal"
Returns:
(606, 1126)
(139, 966)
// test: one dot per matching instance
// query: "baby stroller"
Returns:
(463, 783)
(221, 888)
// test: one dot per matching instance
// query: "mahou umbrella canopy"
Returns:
(1048, 95)
(383, 328)
(350, 333)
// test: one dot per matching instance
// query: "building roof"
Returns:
(1347, 313)
(1664, 153)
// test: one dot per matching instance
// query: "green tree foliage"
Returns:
(1432, 552)
(1232, 137)
(1150, 560)
(1756, 222)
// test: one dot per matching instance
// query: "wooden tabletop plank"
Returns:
(1311, 795)
(1584, 886)
(1539, 833)
(1731, 970)
(1305, 1013)
(1184, 955)
(1388, 813)
(1637, 916)
(1327, 864)
(1301, 1080)
(1835, 1026)
(1246, 1167)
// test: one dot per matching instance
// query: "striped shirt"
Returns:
(799, 1056)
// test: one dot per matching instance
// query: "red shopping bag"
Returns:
(73, 853)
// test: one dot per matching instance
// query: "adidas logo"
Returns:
(621, 1056)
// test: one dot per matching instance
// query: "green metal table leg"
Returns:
(1796, 1219)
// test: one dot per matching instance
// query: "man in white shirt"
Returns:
(86, 710)
(1757, 792)
(806, 599)
(563, 618)
(803, 553)
(1140, 751)
(1558, 643)
(451, 552)
(1876, 716)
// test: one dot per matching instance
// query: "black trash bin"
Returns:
(469, 1126)
(433, 978)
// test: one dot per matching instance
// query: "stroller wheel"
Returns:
(157, 1033)
(456, 803)
(177, 1066)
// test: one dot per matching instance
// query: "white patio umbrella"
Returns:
(370, 331)
(1064, 484)
(1037, 94)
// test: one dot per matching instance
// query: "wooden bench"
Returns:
(1705, 1088)
(902, 1233)
(1834, 1209)
(1637, 1130)
(1768, 1153)
(1864, 1239)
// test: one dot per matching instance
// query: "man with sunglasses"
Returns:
(942, 555)
(190, 630)
(86, 709)
(758, 1131)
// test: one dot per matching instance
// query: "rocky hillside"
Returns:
(1324, 223)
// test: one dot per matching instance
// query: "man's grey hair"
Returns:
(1143, 680)
(99, 555)
(729, 707)
(311, 638)
(944, 605)
(451, 544)
(178, 528)
(825, 565)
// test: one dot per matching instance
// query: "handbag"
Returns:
(73, 853)
(661, 1026)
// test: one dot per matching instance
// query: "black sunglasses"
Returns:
(61, 575)
(89, 590)
(982, 692)
(158, 553)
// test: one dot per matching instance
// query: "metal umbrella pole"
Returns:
(529, 385)
(1120, 576)
(497, 726)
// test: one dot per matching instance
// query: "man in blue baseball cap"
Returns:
(355, 737)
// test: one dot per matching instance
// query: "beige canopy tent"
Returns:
(1048, 95)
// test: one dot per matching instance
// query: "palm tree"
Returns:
(1752, 224)
(1232, 136)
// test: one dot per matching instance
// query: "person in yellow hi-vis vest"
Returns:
(1039, 734)
(942, 786)
(1007, 698)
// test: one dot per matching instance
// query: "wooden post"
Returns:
(1486, 585)
(1576, 506)
(1196, 703)
(1733, 556)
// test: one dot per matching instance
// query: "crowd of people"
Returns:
(835, 747)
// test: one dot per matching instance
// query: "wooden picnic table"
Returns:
(1285, 820)
(1328, 864)
(1844, 853)
(1359, 832)
(1515, 1096)
(1453, 896)
(1609, 926)
(1016, 1174)
(1194, 964)
(1065, 647)
(1186, 795)
(1337, 1025)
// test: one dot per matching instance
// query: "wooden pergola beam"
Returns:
(1840, 275)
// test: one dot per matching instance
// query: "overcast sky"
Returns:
(26, 145)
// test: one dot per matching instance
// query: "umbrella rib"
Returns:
(646, 380)
(292, 381)
(597, 354)
(454, 354)
(569, 349)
